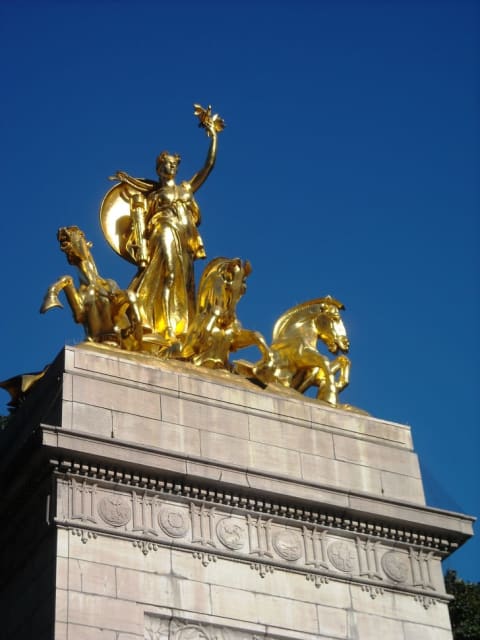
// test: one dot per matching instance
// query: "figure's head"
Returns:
(167, 165)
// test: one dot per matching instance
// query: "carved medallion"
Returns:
(114, 510)
(341, 555)
(288, 545)
(231, 533)
(395, 566)
(173, 521)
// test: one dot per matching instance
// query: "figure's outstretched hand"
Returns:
(211, 123)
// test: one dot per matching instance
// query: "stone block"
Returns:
(234, 603)
(297, 409)
(193, 596)
(400, 607)
(67, 387)
(92, 577)
(362, 425)
(375, 627)
(375, 455)
(400, 487)
(91, 419)
(422, 632)
(226, 449)
(163, 591)
(121, 553)
(104, 613)
(63, 543)
(280, 612)
(138, 369)
(117, 397)
(66, 414)
(60, 631)
(80, 632)
(277, 460)
(61, 605)
(346, 476)
(148, 588)
(227, 392)
(61, 579)
(153, 433)
(332, 623)
(209, 417)
(291, 436)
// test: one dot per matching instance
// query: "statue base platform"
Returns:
(149, 499)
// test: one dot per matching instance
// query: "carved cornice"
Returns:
(283, 511)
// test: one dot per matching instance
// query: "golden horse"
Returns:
(216, 331)
(296, 361)
(107, 313)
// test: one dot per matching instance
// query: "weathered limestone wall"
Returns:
(107, 587)
(187, 504)
(222, 419)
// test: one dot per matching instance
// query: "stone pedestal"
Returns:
(146, 499)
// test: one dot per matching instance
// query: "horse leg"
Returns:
(98, 315)
(341, 364)
(320, 375)
(75, 301)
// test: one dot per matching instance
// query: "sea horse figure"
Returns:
(108, 314)
(296, 361)
(216, 331)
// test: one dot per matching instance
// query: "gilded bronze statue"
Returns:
(155, 225)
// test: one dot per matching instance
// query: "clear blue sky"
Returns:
(349, 166)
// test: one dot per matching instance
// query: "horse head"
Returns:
(74, 244)
(222, 285)
(329, 325)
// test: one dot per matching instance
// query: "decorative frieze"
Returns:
(153, 519)
(216, 496)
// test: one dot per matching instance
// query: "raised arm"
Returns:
(212, 125)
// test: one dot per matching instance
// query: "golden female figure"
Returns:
(159, 233)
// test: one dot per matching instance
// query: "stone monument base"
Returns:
(146, 499)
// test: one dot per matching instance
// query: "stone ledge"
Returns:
(150, 464)
(184, 380)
